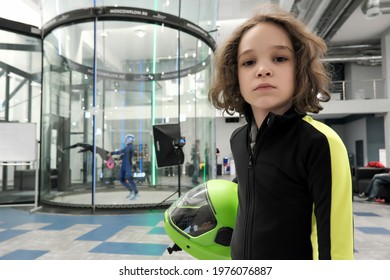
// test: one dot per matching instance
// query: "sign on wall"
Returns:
(18, 142)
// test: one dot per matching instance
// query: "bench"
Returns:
(363, 176)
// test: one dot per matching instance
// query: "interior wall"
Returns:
(223, 132)
(375, 137)
(355, 130)
(359, 87)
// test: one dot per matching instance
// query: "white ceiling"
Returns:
(360, 29)
(357, 29)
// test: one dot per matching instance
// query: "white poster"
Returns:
(382, 156)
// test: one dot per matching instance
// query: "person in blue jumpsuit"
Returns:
(126, 172)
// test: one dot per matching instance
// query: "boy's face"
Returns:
(266, 68)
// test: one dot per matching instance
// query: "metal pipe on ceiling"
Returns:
(374, 58)
(374, 8)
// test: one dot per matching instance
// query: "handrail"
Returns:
(358, 89)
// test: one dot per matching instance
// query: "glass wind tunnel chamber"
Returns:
(111, 71)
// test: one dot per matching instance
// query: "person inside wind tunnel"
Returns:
(195, 157)
(126, 172)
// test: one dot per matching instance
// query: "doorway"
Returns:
(359, 151)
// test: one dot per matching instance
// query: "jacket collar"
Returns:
(271, 119)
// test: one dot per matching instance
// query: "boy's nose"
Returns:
(263, 72)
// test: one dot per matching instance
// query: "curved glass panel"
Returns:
(200, 12)
(146, 74)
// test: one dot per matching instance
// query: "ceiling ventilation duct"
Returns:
(373, 60)
(375, 8)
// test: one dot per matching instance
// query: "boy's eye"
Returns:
(248, 63)
(280, 59)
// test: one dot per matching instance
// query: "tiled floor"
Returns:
(141, 235)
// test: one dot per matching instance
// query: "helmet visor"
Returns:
(193, 213)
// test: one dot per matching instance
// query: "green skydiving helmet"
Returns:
(201, 222)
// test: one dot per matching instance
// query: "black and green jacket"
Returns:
(295, 193)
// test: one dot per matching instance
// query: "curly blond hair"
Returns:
(312, 77)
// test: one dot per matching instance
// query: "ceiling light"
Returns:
(140, 33)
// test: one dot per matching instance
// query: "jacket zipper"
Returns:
(249, 210)
(251, 187)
